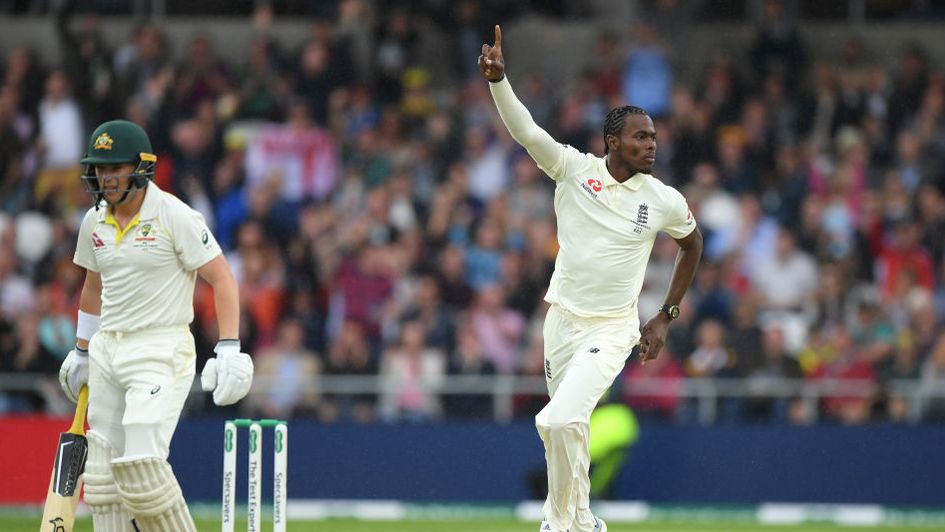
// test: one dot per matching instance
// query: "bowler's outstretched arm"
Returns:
(539, 144)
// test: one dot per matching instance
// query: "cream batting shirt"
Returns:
(148, 269)
(606, 229)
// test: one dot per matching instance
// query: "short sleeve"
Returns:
(84, 254)
(193, 241)
(680, 221)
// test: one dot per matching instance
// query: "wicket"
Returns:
(254, 489)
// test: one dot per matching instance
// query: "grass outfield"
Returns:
(19, 524)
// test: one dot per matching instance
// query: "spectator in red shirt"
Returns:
(905, 254)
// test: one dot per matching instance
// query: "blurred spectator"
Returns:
(13, 148)
(787, 284)
(711, 357)
(647, 75)
(714, 301)
(396, 41)
(87, 61)
(62, 143)
(362, 288)
(457, 293)
(285, 372)
(317, 79)
(745, 336)
(201, 76)
(411, 373)
(349, 355)
(775, 364)
(468, 360)
(261, 84)
(892, 373)
(499, 328)
(25, 76)
(484, 257)
(933, 380)
(852, 377)
(903, 259)
(428, 309)
(908, 86)
(139, 61)
(777, 48)
(487, 162)
(17, 294)
(662, 399)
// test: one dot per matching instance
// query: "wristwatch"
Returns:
(671, 310)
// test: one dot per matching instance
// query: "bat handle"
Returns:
(78, 422)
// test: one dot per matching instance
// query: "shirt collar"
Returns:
(634, 183)
(152, 200)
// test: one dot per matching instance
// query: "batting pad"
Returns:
(101, 492)
(149, 489)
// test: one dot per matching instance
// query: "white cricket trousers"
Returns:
(583, 356)
(138, 383)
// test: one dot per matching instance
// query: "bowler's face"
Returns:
(636, 144)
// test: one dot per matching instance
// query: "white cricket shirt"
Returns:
(606, 229)
(148, 269)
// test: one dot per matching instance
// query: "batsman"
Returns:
(142, 250)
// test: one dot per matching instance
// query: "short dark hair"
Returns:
(613, 123)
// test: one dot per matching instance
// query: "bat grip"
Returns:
(78, 422)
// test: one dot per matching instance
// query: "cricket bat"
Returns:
(65, 484)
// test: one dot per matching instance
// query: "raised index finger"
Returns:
(498, 36)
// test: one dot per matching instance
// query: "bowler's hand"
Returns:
(491, 63)
(230, 375)
(653, 337)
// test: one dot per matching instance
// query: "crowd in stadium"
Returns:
(379, 224)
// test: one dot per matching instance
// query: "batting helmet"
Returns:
(118, 142)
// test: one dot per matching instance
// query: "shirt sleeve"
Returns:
(680, 221)
(193, 241)
(84, 254)
(547, 152)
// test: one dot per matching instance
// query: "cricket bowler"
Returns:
(609, 210)
(142, 250)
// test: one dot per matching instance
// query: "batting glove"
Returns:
(230, 375)
(74, 372)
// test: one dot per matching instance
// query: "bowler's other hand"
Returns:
(230, 375)
(74, 372)
(491, 63)
(653, 337)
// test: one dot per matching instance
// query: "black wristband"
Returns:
(498, 80)
(80, 350)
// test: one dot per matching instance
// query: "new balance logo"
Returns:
(548, 369)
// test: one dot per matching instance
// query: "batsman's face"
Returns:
(636, 143)
(114, 179)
